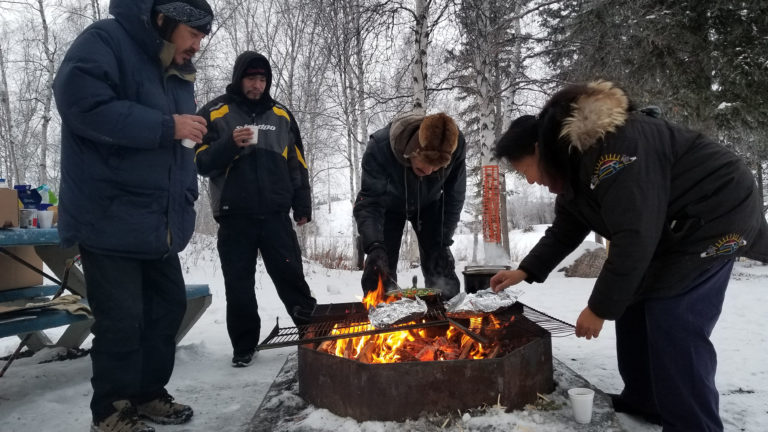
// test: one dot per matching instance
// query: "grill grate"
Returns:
(354, 326)
(555, 327)
(351, 320)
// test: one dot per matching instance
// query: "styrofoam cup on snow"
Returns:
(581, 402)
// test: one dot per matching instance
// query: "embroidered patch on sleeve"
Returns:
(727, 245)
(609, 165)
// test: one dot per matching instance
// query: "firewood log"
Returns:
(366, 354)
(349, 349)
(466, 349)
(427, 354)
(494, 352)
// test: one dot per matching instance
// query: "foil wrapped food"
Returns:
(481, 302)
(403, 310)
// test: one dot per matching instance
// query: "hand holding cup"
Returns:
(189, 128)
(245, 135)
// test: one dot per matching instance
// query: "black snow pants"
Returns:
(437, 263)
(240, 239)
(138, 306)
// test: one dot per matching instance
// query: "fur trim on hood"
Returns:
(433, 138)
(601, 109)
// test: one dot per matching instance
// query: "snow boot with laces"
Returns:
(124, 419)
(164, 410)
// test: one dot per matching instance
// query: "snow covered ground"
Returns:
(54, 396)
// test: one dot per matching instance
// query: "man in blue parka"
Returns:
(125, 93)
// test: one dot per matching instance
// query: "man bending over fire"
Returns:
(413, 169)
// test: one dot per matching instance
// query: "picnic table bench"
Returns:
(28, 321)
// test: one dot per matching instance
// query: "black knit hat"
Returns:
(194, 13)
(257, 66)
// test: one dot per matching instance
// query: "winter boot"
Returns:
(243, 359)
(124, 419)
(164, 410)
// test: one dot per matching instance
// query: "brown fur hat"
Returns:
(438, 139)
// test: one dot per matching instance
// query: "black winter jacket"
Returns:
(267, 178)
(127, 187)
(389, 184)
(671, 201)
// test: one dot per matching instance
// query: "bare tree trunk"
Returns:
(6, 125)
(486, 103)
(504, 216)
(95, 10)
(419, 69)
(47, 96)
(760, 184)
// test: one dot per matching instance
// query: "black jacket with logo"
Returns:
(267, 178)
(671, 201)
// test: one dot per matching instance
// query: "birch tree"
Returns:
(487, 69)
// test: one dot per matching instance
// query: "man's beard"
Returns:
(190, 53)
(254, 94)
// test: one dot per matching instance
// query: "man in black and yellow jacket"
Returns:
(253, 156)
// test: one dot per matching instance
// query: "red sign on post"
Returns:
(491, 205)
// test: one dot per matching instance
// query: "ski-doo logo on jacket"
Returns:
(609, 165)
(261, 127)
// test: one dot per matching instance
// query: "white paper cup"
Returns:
(44, 218)
(255, 139)
(27, 218)
(188, 143)
(581, 402)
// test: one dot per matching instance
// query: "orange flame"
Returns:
(408, 345)
(374, 298)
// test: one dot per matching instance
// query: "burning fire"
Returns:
(409, 345)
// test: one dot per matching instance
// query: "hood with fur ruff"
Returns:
(601, 109)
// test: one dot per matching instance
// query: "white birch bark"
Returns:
(47, 94)
(419, 69)
(10, 165)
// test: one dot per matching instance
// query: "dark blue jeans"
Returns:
(665, 356)
(138, 306)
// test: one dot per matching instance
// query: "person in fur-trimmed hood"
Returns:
(413, 169)
(677, 207)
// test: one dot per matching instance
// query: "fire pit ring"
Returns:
(399, 391)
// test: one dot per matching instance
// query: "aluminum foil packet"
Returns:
(482, 302)
(403, 310)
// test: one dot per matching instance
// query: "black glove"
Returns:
(443, 263)
(376, 265)
(442, 273)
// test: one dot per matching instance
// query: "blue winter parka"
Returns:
(127, 187)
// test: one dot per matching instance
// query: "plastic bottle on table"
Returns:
(3, 184)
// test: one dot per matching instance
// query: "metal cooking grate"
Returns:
(354, 326)
(351, 320)
(555, 327)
